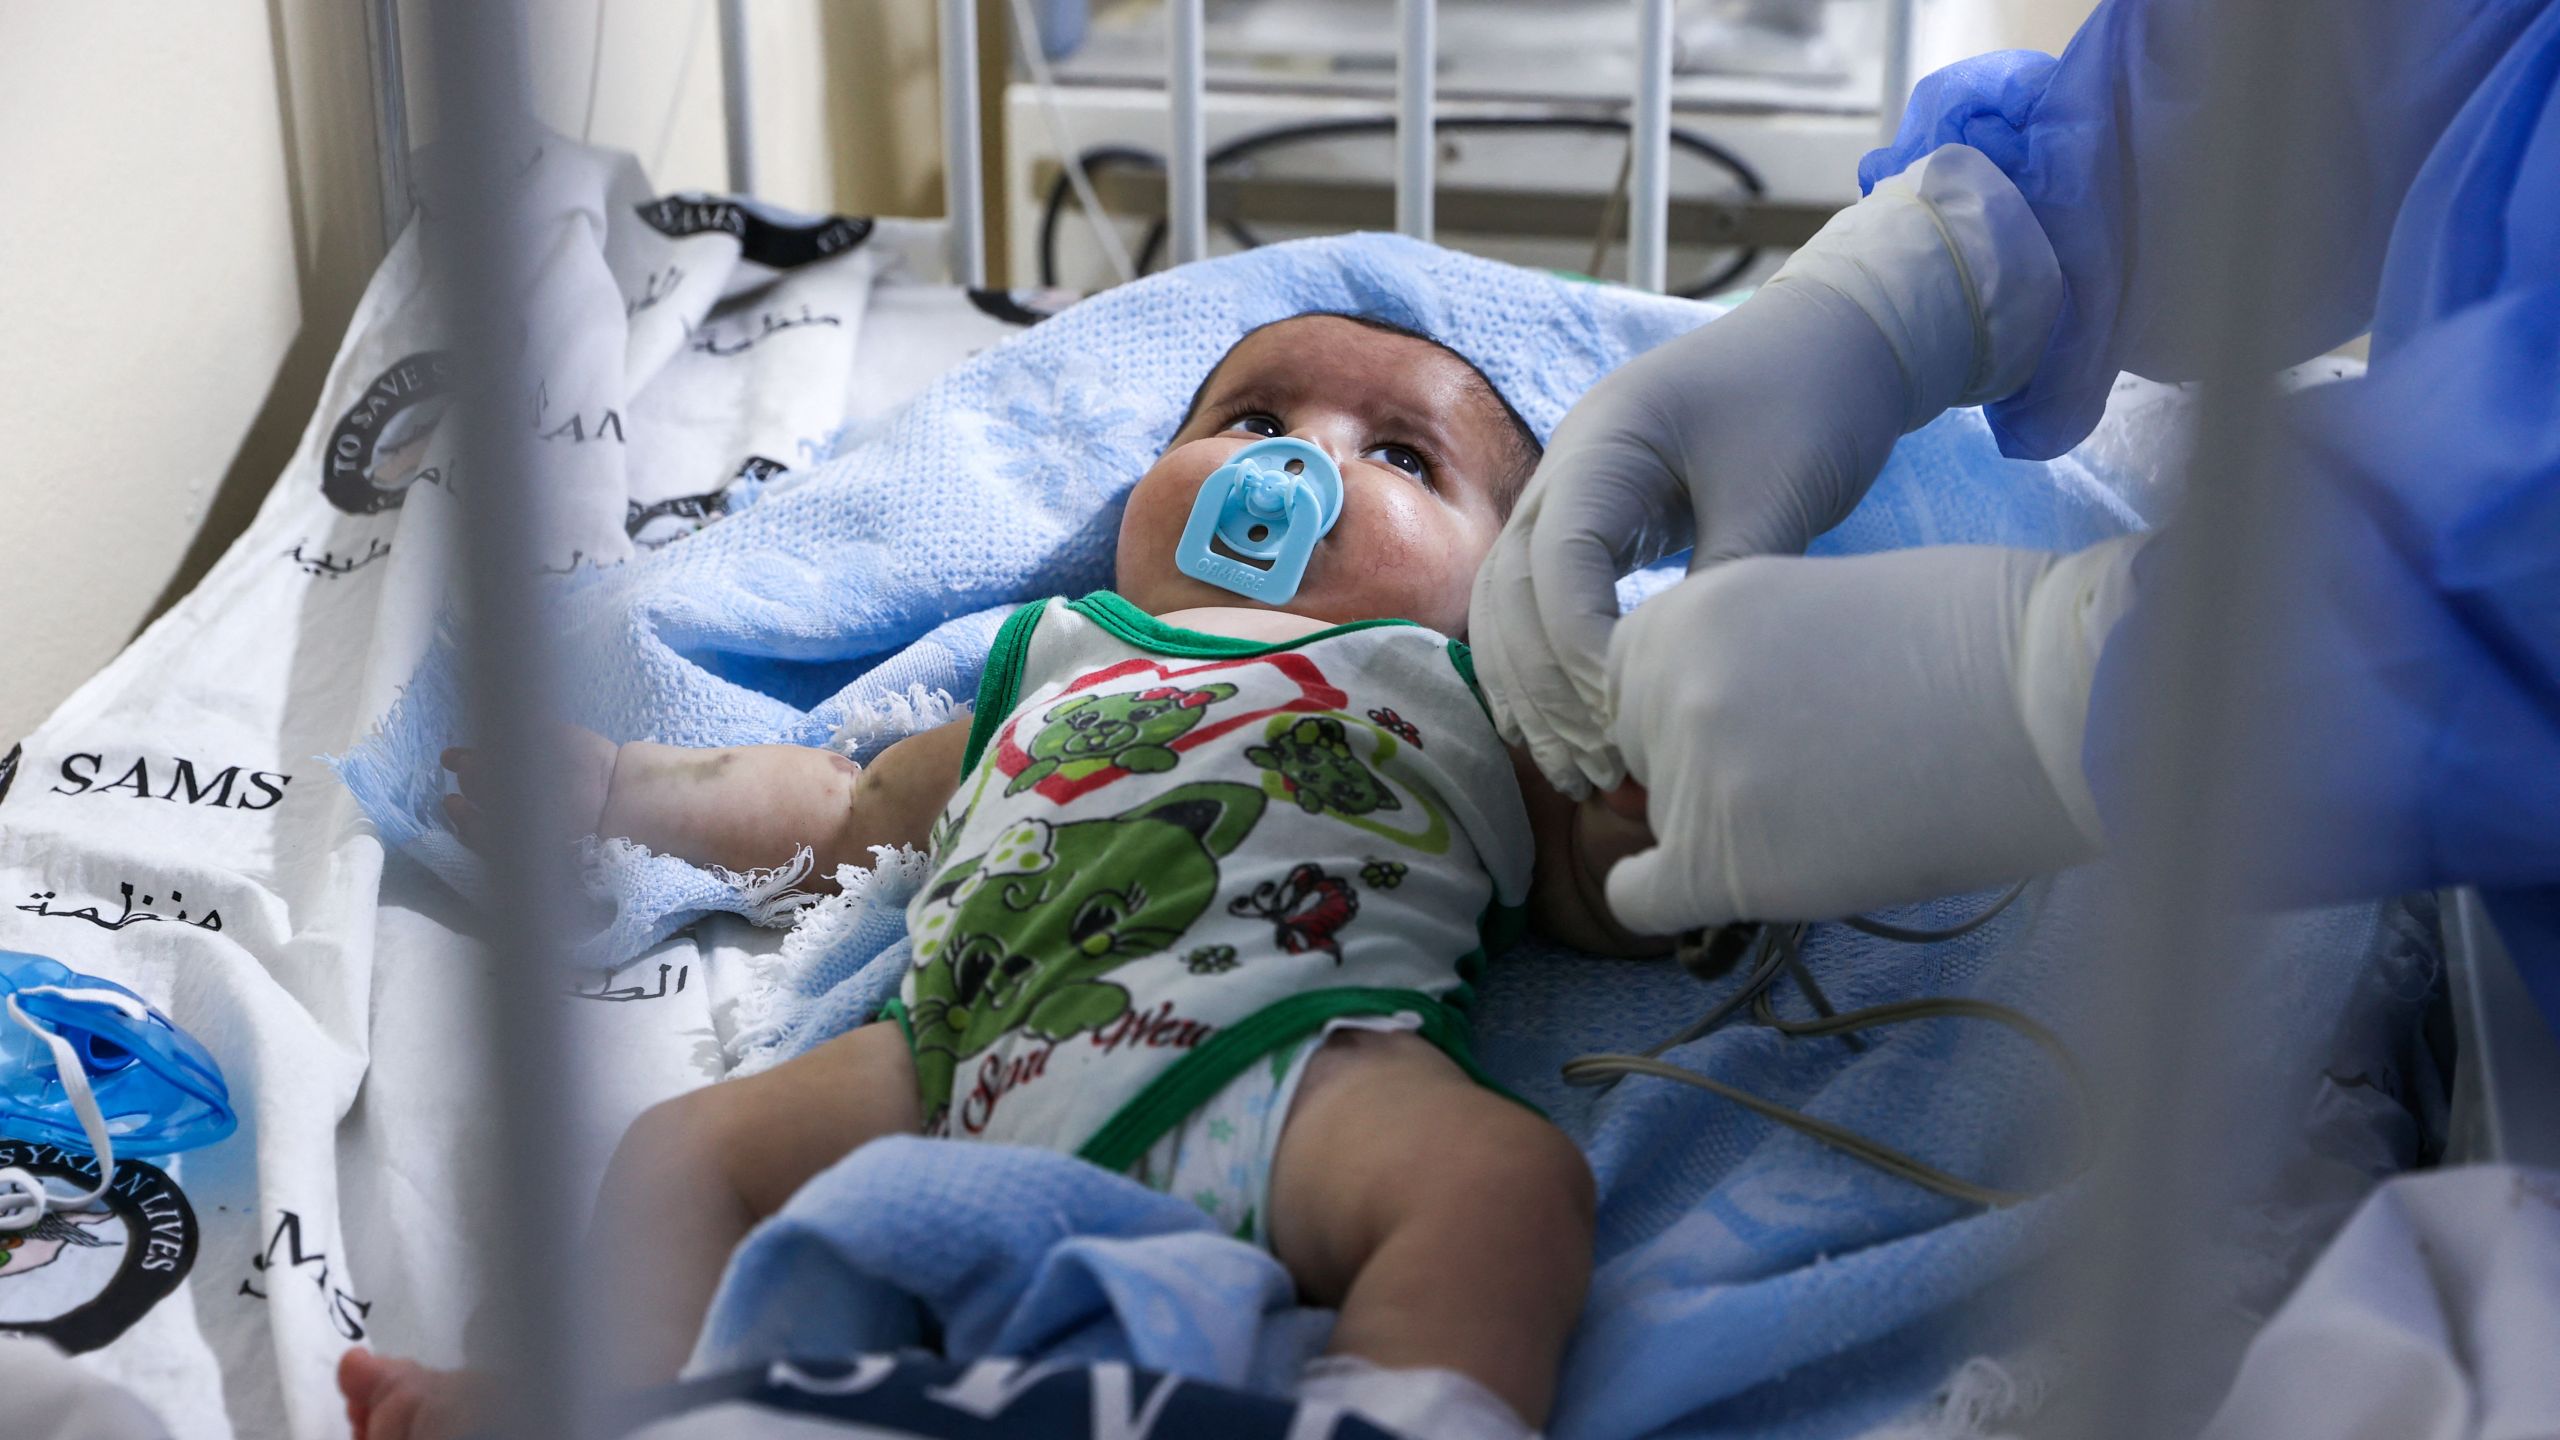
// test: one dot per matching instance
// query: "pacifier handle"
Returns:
(1280, 483)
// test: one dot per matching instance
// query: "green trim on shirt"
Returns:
(894, 1008)
(1464, 661)
(1137, 627)
(1001, 683)
(1187, 1084)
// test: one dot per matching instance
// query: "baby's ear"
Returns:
(1218, 814)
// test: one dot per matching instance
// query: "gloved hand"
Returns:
(1756, 432)
(1819, 737)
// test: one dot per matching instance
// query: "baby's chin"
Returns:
(1162, 588)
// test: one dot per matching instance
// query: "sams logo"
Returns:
(180, 780)
(401, 405)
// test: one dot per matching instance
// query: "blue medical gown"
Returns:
(2420, 691)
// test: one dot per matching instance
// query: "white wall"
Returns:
(147, 292)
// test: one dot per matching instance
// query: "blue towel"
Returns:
(855, 603)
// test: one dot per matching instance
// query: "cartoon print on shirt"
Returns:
(1313, 759)
(1387, 719)
(1144, 716)
(1090, 732)
(1306, 909)
(1317, 761)
(1019, 936)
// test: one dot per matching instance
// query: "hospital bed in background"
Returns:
(347, 1208)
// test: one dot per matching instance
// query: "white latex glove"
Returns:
(1756, 432)
(1822, 737)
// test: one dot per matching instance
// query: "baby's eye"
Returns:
(1262, 425)
(1397, 456)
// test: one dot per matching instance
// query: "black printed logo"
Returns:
(915, 1394)
(765, 238)
(656, 525)
(80, 1278)
(285, 1258)
(180, 780)
(364, 473)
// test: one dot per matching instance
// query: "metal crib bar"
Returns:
(1897, 67)
(1649, 179)
(390, 116)
(963, 195)
(738, 96)
(1416, 52)
(480, 255)
(1187, 158)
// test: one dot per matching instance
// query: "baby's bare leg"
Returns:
(1451, 1226)
(692, 1176)
(695, 1173)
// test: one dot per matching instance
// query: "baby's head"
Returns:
(1432, 458)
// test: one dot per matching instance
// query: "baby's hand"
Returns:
(391, 1399)
(585, 778)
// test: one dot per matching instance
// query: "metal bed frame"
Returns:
(1188, 197)
(2159, 976)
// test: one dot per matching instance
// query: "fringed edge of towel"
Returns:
(886, 719)
(766, 1010)
(768, 897)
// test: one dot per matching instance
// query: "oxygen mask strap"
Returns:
(24, 1200)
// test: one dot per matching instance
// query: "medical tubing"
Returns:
(1777, 952)
(1026, 39)
(1244, 146)
(1847, 1142)
(1866, 925)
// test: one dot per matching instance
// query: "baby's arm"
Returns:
(752, 806)
(1577, 842)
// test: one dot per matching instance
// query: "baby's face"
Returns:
(1426, 452)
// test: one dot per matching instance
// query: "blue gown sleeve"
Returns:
(2108, 142)
(2406, 719)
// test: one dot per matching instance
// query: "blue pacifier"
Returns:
(1270, 503)
(152, 1085)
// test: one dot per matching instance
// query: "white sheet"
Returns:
(346, 1207)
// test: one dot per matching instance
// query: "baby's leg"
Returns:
(1450, 1225)
(691, 1177)
(695, 1173)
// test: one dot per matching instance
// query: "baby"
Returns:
(1210, 884)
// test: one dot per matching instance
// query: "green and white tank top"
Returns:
(1171, 854)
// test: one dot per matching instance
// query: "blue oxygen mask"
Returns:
(88, 1065)
(1268, 505)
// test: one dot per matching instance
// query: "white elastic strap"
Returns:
(23, 1196)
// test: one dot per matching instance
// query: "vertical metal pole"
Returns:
(962, 198)
(1416, 52)
(1187, 159)
(1649, 180)
(483, 246)
(2190, 1145)
(1895, 93)
(738, 96)
(390, 116)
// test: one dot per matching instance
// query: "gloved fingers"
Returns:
(1534, 702)
(1660, 892)
(1517, 717)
